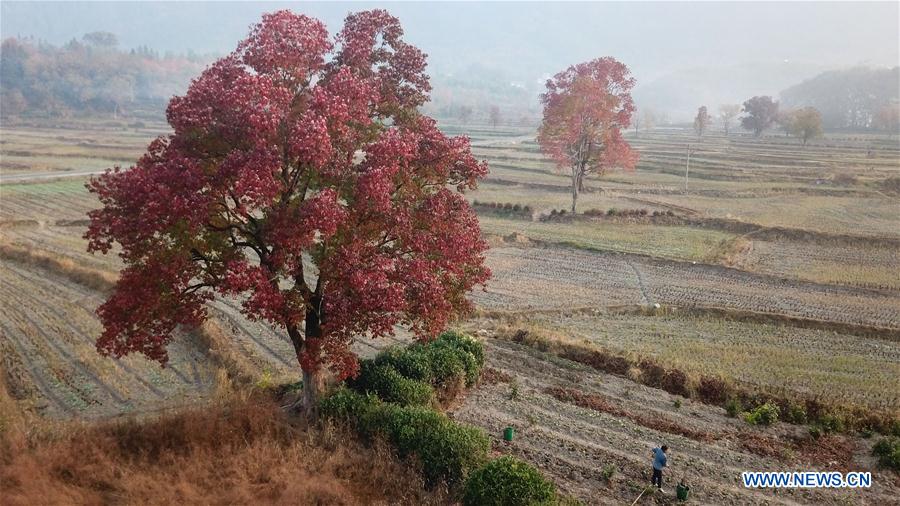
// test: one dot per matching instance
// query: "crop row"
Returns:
(523, 277)
(50, 327)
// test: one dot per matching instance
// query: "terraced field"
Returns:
(48, 331)
(819, 304)
(873, 266)
(835, 366)
(575, 442)
(547, 278)
(61, 147)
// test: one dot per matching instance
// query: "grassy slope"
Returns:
(238, 451)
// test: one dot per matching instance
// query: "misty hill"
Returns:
(680, 93)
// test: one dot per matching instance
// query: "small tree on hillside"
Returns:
(805, 124)
(586, 107)
(643, 118)
(303, 178)
(727, 113)
(701, 121)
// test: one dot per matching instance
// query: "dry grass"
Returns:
(238, 451)
(90, 278)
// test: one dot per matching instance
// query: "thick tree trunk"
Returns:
(313, 385)
(313, 380)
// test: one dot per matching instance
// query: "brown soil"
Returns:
(623, 422)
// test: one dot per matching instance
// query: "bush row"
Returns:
(447, 451)
(507, 207)
(612, 213)
(627, 212)
(411, 375)
(714, 390)
(391, 399)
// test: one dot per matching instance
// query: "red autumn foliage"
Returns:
(301, 175)
(586, 107)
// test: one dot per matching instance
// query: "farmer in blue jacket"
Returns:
(659, 462)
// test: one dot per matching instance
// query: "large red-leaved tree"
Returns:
(586, 107)
(300, 176)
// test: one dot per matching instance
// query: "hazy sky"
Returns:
(526, 39)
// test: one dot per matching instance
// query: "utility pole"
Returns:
(687, 166)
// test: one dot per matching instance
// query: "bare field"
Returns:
(874, 216)
(574, 444)
(823, 263)
(60, 146)
(49, 328)
(544, 278)
(769, 357)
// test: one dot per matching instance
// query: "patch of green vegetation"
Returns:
(65, 186)
(888, 452)
(508, 481)
(388, 384)
(673, 242)
(765, 414)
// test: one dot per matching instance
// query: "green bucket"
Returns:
(682, 491)
(508, 434)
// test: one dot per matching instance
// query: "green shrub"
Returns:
(469, 350)
(764, 414)
(508, 481)
(888, 452)
(609, 470)
(442, 362)
(733, 407)
(345, 404)
(447, 366)
(830, 423)
(464, 342)
(412, 361)
(448, 451)
(391, 386)
(795, 413)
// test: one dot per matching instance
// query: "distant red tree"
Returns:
(586, 107)
(301, 175)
